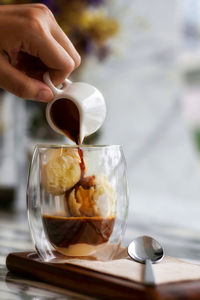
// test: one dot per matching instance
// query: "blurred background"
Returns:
(145, 58)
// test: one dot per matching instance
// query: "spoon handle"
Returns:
(149, 278)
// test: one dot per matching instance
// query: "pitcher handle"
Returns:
(50, 84)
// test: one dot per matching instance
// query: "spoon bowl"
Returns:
(145, 247)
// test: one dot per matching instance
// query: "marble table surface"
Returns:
(14, 236)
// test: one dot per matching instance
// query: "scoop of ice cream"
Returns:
(60, 170)
(93, 197)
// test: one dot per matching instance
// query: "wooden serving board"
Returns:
(97, 284)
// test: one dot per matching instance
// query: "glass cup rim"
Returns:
(54, 146)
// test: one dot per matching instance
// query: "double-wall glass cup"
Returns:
(77, 201)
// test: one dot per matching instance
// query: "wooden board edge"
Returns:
(75, 278)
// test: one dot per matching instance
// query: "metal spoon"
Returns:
(146, 250)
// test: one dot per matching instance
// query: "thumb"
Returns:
(21, 85)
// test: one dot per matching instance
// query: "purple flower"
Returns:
(103, 52)
(95, 2)
(86, 45)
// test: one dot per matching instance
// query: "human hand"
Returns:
(31, 42)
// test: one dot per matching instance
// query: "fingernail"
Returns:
(44, 96)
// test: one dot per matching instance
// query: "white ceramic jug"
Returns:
(88, 100)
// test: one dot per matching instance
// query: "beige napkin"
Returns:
(167, 271)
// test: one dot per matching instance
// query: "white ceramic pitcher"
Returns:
(88, 100)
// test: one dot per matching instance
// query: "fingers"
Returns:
(21, 85)
(65, 42)
(33, 30)
(45, 39)
(57, 52)
(56, 58)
